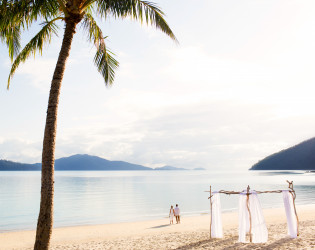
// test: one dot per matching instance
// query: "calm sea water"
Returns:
(92, 197)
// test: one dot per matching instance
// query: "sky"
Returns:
(238, 87)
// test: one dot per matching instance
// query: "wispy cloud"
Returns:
(20, 150)
(37, 73)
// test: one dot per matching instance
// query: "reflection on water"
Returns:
(268, 173)
(92, 197)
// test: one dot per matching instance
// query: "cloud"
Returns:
(20, 150)
(213, 134)
(38, 73)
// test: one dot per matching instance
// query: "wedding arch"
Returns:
(251, 219)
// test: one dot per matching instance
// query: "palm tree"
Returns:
(16, 15)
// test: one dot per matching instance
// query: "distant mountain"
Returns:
(89, 162)
(15, 166)
(76, 163)
(170, 168)
(298, 157)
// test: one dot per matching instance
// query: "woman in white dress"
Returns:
(172, 212)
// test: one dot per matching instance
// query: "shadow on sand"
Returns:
(210, 242)
(230, 243)
(160, 226)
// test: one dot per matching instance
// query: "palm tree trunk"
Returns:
(45, 218)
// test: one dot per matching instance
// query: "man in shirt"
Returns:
(177, 214)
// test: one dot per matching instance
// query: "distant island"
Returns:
(298, 157)
(170, 168)
(81, 162)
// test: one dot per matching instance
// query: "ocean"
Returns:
(101, 197)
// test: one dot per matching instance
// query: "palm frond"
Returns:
(11, 36)
(104, 59)
(10, 27)
(142, 11)
(36, 44)
(87, 5)
(62, 6)
(106, 64)
(24, 12)
(16, 15)
(90, 26)
(88, 10)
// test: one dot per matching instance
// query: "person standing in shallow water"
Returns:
(177, 214)
(172, 213)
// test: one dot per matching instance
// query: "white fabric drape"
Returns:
(289, 210)
(259, 229)
(216, 220)
(243, 218)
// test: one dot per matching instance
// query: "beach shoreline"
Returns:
(149, 234)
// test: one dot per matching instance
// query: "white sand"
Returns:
(192, 233)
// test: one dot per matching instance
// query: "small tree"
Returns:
(16, 15)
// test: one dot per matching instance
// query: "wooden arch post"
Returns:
(210, 210)
(249, 215)
(292, 192)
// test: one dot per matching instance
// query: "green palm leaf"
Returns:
(36, 44)
(11, 22)
(11, 36)
(104, 59)
(17, 15)
(142, 11)
(106, 64)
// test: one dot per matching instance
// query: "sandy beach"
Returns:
(192, 233)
